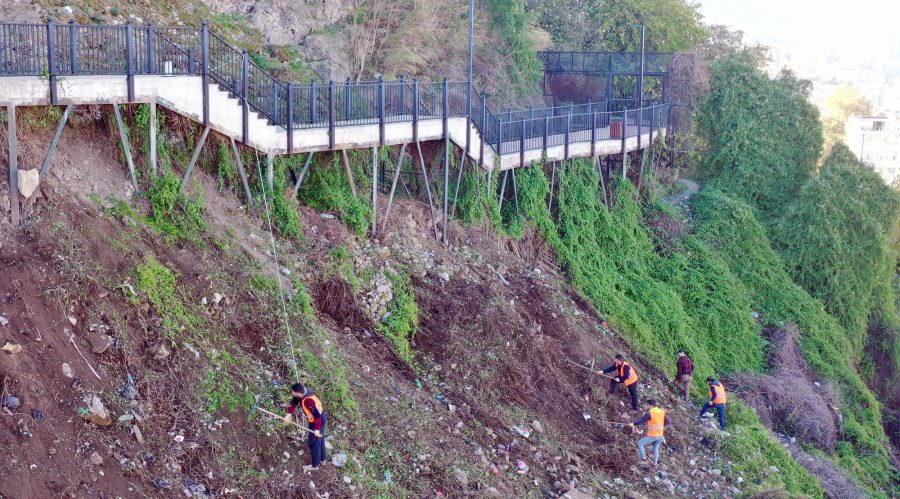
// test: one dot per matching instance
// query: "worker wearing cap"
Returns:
(656, 420)
(315, 415)
(717, 400)
(626, 375)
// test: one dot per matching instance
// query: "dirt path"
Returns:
(690, 188)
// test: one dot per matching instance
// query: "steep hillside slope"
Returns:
(445, 369)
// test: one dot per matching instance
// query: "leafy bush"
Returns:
(171, 211)
(284, 212)
(402, 322)
(157, 283)
(327, 188)
(762, 136)
(835, 241)
(731, 228)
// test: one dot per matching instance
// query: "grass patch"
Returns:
(402, 320)
(328, 189)
(172, 212)
(158, 284)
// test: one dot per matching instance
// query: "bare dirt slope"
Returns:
(489, 406)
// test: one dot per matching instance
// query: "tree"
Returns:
(836, 238)
(722, 41)
(608, 25)
(762, 136)
(843, 102)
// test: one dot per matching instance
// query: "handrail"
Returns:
(74, 49)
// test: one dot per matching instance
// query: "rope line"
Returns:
(285, 321)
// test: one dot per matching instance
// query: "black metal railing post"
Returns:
(593, 134)
(402, 95)
(483, 129)
(151, 40)
(640, 121)
(331, 114)
(245, 90)
(347, 99)
(415, 120)
(444, 110)
(522, 145)
(652, 122)
(313, 105)
(51, 59)
(469, 91)
(73, 46)
(190, 63)
(129, 59)
(289, 121)
(624, 134)
(546, 130)
(380, 110)
(499, 137)
(568, 127)
(204, 69)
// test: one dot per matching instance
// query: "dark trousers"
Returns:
(632, 390)
(720, 409)
(317, 444)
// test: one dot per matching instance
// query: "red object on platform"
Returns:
(615, 129)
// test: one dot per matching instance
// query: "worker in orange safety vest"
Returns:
(657, 420)
(625, 375)
(315, 415)
(717, 400)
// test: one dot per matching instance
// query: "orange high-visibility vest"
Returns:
(657, 423)
(632, 376)
(720, 394)
(319, 406)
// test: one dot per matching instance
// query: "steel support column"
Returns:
(387, 211)
(241, 171)
(303, 173)
(427, 189)
(194, 157)
(45, 167)
(374, 191)
(126, 146)
(13, 151)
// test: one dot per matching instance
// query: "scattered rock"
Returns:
(444, 276)
(28, 181)
(68, 10)
(538, 427)
(37, 415)
(95, 412)
(192, 488)
(11, 402)
(327, 216)
(72, 320)
(285, 271)
(67, 370)
(12, 347)
(161, 352)
(3, 321)
(339, 460)
(347, 480)
(461, 477)
(100, 343)
(715, 472)
(773, 469)
(96, 459)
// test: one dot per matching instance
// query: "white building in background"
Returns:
(876, 140)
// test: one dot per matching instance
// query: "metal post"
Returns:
(546, 131)
(444, 111)
(624, 134)
(126, 146)
(380, 111)
(151, 34)
(347, 99)
(521, 147)
(194, 157)
(303, 173)
(331, 114)
(515, 191)
(402, 97)
(290, 118)
(204, 69)
(245, 88)
(415, 119)
(73, 46)
(13, 151)
(502, 190)
(568, 127)
(153, 130)
(45, 167)
(190, 65)
(129, 59)
(427, 189)
(51, 63)
(374, 191)
(483, 129)
(270, 170)
(593, 134)
(641, 81)
(462, 164)
(243, 174)
(552, 181)
(470, 76)
(313, 111)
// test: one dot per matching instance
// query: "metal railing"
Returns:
(604, 62)
(62, 50)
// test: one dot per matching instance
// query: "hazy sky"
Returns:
(861, 28)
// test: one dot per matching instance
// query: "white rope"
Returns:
(286, 322)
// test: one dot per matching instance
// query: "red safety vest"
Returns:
(657, 423)
(632, 376)
(720, 394)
